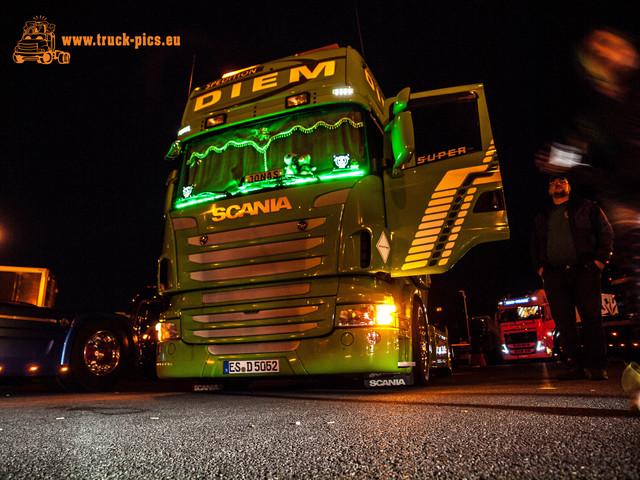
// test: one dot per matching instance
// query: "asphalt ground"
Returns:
(504, 421)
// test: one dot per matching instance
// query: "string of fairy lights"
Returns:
(263, 149)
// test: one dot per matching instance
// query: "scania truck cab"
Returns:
(306, 214)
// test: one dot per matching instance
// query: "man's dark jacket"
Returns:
(592, 233)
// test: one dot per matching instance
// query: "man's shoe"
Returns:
(599, 374)
(574, 373)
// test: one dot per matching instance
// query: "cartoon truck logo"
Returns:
(38, 43)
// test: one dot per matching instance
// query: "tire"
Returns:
(101, 355)
(63, 57)
(420, 345)
(46, 58)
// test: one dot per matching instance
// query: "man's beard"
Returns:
(561, 194)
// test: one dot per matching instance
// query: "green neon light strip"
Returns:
(263, 150)
(253, 187)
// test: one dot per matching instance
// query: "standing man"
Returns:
(572, 240)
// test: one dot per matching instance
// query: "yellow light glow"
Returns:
(384, 314)
(33, 368)
(167, 331)
(230, 74)
(64, 369)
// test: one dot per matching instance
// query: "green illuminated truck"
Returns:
(304, 218)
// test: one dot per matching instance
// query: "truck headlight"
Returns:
(167, 331)
(505, 349)
(367, 315)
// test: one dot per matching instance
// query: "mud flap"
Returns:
(376, 380)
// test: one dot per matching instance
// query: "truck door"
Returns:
(444, 195)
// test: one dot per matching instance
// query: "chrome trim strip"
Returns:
(255, 232)
(406, 364)
(249, 331)
(256, 251)
(259, 270)
(244, 348)
(262, 314)
(257, 293)
(30, 319)
(336, 197)
(182, 223)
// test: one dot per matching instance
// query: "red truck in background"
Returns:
(526, 327)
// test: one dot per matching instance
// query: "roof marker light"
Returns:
(236, 72)
(297, 100)
(215, 120)
(342, 91)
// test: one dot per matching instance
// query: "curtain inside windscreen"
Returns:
(219, 163)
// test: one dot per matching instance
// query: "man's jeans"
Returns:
(572, 287)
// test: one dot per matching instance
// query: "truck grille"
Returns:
(521, 343)
(257, 254)
(259, 278)
(260, 317)
(521, 338)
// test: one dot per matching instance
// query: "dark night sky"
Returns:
(82, 172)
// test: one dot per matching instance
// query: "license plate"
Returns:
(263, 176)
(233, 367)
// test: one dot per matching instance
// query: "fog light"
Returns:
(347, 339)
(373, 337)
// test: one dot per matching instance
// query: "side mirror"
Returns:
(402, 141)
(174, 151)
(172, 179)
(402, 100)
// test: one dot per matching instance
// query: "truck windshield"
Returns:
(308, 146)
(520, 313)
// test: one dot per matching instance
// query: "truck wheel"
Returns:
(420, 345)
(63, 57)
(100, 355)
(46, 58)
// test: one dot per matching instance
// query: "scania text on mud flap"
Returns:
(306, 214)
